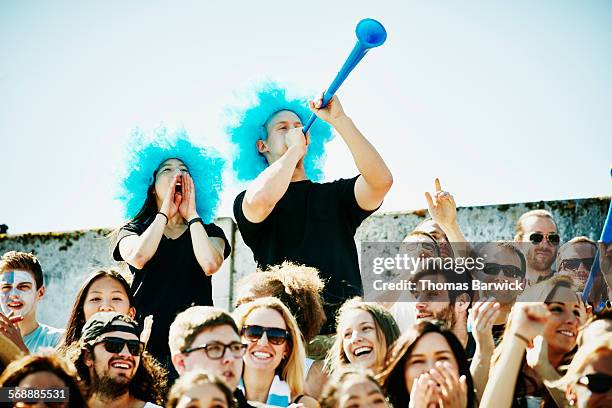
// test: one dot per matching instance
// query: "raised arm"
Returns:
(137, 250)
(528, 320)
(207, 250)
(376, 178)
(272, 183)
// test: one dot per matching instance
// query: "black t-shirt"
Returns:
(312, 224)
(169, 283)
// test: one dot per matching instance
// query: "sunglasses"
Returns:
(509, 271)
(115, 345)
(275, 335)
(215, 351)
(537, 237)
(572, 264)
(597, 383)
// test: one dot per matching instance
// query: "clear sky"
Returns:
(504, 101)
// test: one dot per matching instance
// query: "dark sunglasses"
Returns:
(215, 351)
(115, 345)
(538, 237)
(275, 335)
(572, 264)
(509, 271)
(597, 383)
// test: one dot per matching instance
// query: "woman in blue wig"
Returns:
(170, 195)
(286, 213)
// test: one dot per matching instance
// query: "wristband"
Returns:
(193, 221)
(159, 212)
(525, 339)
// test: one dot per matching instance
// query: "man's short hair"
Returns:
(575, 240)
(450, 276)
(510, 246)
(22, 261)
(191, 322)
(533, 213)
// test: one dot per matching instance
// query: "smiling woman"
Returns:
(365, 332)
(274, 360)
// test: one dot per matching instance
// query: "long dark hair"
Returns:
(77, 316)
(45, 361)
(143, 218)
(393, 379)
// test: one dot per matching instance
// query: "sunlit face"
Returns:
(575, 259)
(18, 293)
(228, 367)
(360, 343)
(567, 315)
(107, 295)
(539, 256)
(432, 304)
(119, 367)
(278, 126)
(360, 392)
(429, 349)
(432, 228)
(41, 380)
(600, 363)
(203, 395)
(262, 355)
(508, 264)
(165, 177)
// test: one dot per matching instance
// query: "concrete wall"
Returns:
(68, 257)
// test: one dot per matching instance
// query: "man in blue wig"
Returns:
(286, 214)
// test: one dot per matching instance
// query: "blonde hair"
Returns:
(292, 369)
(543, 291)
(533, 213)
(387, 332)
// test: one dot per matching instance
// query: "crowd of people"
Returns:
(301, 333)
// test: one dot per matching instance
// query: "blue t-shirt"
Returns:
(43, 336)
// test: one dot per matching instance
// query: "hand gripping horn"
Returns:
(370, 34)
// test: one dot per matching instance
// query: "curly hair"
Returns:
(299, 287)
(195, 378)
(147, 152)
(149, 384)
(247, 125)
(45, 361)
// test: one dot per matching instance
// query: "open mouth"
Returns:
(15, 305)
(362, 351)
(122, 365)
(228, 374)
(178, 189)
(424, 315)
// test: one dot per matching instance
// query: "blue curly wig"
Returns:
(144, 156)
(249, 126)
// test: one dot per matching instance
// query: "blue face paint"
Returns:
(18, 292)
